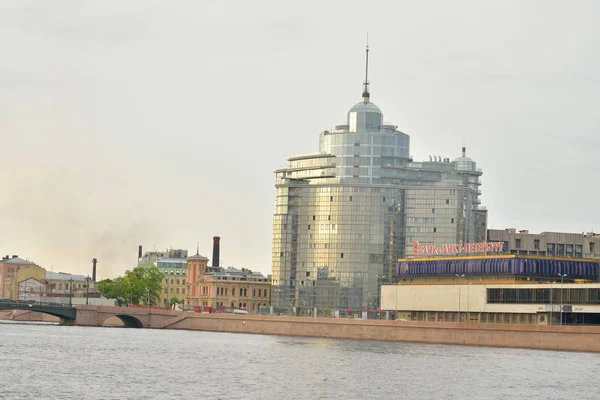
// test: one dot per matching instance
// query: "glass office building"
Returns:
(345, 214)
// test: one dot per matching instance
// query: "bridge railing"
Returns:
(34, 303)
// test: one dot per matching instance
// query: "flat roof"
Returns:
(498, 256)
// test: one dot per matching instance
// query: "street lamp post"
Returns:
(216, 292)
(459, 285)
(468, 298)
(396, 286)
(551, 301)
(71, 291)
(87, 295)
(562, 286)
(379, 283)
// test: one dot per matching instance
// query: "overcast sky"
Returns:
(161, 123)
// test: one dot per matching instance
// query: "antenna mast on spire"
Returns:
(365, 94)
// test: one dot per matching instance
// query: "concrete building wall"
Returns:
(8, 272)
(30, 272)
(473, 298)
(559, 244)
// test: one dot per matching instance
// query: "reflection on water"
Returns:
(60, 362)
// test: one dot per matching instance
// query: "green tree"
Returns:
(139, 286)
(173, 300)
(118, 289)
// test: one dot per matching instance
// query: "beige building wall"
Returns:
(173, 285)
(473, 298)
(232, 294)
(8, 272)
(33, 271)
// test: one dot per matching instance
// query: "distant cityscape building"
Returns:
(26, 280)
(60, 284)
(197, 266)
(172, 262)
(558, 244)
(8, 271)
(153, 256)
(346, 214)
(513, 288)
(228, 289)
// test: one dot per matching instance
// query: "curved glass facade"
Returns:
(346, 214)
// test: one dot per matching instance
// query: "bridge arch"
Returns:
(129, 321)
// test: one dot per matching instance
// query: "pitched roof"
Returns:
(197, 257)
(61, 276)
(16, 260)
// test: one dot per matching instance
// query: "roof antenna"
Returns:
(197, 248)
(365, 95)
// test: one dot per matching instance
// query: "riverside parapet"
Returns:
(542, 337)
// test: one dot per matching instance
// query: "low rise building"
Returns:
(228, 289)
(172, 263)
(61, 284)
(8, 271)
(496, 289)
(30, 280)
(175, 281)
(553, 244)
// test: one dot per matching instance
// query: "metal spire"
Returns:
(365, 95)
(197, 247)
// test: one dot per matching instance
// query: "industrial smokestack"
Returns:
(139, 252)
(94, 261)
(216, 251)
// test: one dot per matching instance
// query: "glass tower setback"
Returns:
(344, 215)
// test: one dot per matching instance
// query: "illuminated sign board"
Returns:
(459, 248)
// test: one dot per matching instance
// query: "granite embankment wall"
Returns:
(570, 338)
(543, 337)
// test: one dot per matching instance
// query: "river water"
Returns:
(62, 362)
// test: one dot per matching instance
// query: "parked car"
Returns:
(240, 311)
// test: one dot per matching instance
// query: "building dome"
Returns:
(468, 159)
(365, 117)
(464, 163)
(365, 107)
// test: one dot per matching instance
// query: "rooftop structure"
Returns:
(153, 256)
(559, 244)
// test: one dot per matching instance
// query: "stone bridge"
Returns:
(65, 312)
(133, 317)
